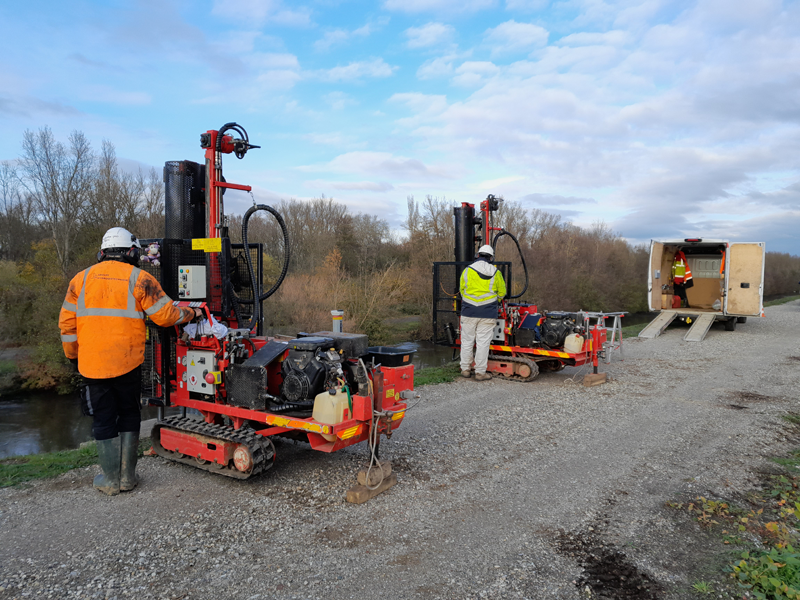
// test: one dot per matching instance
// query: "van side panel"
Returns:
(657, 276)
(745, 279)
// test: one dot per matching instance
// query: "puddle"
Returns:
(606, 570)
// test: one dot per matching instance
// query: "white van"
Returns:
(728, 284)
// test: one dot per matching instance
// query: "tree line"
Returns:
(58, 198)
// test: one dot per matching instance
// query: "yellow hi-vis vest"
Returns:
(480, 288)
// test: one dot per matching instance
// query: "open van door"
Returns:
(745, 279)
(655, 279)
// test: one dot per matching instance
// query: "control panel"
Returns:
(191, 281)
(199, 365)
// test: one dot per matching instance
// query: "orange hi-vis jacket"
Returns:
(102, 320)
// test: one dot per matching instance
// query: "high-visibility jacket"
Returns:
(102, 320)
(681, 273)
(481, 287)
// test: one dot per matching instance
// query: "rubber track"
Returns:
(517, 359)
(260, 447)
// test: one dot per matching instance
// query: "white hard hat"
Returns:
(487, 249)
(119, 237)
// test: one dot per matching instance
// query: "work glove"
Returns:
(74, 363)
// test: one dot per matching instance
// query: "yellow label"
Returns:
(390, 393)
(207, 244)
(191, 364)
(397, 416)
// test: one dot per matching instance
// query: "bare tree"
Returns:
(60, 181)
(18, 226)
(151, 219)
(117, 196)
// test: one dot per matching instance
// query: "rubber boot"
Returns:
(109, 453)
(130, 455)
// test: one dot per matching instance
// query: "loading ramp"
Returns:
(659, 324)
(699, 328)
(701, 322)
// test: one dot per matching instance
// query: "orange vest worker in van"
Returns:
(103, 334)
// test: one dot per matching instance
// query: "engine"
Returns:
(311, 367)
(556, 327)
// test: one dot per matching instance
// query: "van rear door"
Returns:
(655, 279)
(745, 279)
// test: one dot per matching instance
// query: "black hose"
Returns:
(258, 297)
(522, 258)
(238, 129)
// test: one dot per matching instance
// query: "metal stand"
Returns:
(615, 341)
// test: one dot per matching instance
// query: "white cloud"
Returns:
(369, 186)
(512, 36)
(585, 38)
(261, 12)
(431, 34)
(493, 184)
(336, 37)
(359, 70)
(109, 95)
(438, 6)
(339, 100)
(526, 5)
(474, 73)
(437, 68)
(384, 165)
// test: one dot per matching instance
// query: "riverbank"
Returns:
(505, 490)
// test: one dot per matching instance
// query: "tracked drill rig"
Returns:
(525, 341)
(325, 388)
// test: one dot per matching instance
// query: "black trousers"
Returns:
(113, 403)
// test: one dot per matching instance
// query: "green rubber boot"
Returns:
(109, 453)
(130, 454)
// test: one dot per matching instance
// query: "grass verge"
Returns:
(19, 469)
(781, 301)
(633, 330)
(431, 375)
(767, 528)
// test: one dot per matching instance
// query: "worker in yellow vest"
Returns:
(482, 287)
(681, 277)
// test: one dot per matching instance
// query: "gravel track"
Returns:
(506, 490)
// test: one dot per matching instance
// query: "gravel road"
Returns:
(506, 490)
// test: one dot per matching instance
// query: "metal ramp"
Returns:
(659, 324)
(699, 328)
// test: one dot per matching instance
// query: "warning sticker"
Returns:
(207, 244)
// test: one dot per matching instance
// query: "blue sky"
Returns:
(663, 119)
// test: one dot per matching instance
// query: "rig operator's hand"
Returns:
(198, 313)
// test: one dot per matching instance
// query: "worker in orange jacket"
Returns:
(102, 324)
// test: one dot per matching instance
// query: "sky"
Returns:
(663, 119)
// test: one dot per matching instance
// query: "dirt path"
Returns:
(506, 491)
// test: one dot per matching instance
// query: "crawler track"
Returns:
(261, 448)
(520, 363)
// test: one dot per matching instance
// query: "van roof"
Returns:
(690, 241)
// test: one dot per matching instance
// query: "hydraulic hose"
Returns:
(522, 258)
(258, 297)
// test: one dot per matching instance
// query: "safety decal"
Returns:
(293, 423)
(207, 244)
(398, 416)
(390, 393)
(348, 433)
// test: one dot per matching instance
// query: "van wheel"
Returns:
(741, 319)
(730, 324)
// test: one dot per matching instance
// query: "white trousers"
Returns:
(476, 331)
